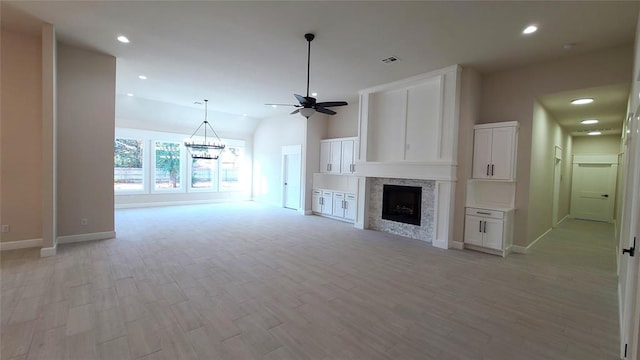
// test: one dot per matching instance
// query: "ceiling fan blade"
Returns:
(301, 99)
(332, 103)
(283, 105)
(320, 109)
(294, 111)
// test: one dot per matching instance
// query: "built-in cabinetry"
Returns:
(334, 204)
(494, 151)
(490, 202)
(337, 156)
(488, 230)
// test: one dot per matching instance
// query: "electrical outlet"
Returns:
(83, 222)
(5, 228)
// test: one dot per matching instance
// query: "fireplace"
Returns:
(402, 203)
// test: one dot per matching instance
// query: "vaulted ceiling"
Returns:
(241, 54)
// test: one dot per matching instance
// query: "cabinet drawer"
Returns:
(327, 193)
(317, 192)
(350, 196)
(495, 214)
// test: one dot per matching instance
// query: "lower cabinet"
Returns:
(334, 204)
(488, 230)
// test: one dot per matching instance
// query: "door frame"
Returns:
(290, 150)
(605, 159)
(557, 185)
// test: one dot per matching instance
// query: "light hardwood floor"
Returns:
(245, 281)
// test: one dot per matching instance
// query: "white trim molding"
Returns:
(86, 237)
(526, 249)
(20, 244)
(49, 251)
(456, 245)
(443, 215)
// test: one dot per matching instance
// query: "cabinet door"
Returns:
(325, 156)
(502, 153)
(316, 205)
(473, 230)
(351, 207)
(492, 231)
(336, 157)
(338, 204)
(347, 157)
(482, 153)
(327, 202)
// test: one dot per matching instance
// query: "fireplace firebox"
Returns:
(402, 203)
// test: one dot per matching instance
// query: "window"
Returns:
(167, 165)
(128, 171)
(230, 161)
(204, 174)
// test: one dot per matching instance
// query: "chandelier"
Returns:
(207, 147)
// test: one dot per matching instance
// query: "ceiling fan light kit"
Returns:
(308, 105)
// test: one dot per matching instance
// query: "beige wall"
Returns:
(509, 95)
(20, 142)
(86, 116)
(547, 134)
(587, 145)
(469, 108)
(344, 123)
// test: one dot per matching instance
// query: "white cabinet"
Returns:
(347, 163)
(494, 151)
(337, 156)
(488, 230)
(337, 205)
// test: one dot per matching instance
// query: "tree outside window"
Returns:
(127, 165)
(167, 165)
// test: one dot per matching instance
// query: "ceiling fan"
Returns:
(308, 105)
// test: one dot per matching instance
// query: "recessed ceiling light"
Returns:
(129, 94)
(123, 39)
(530, 29)
(588, 122)
(594, 133)
(314, 94)
(274, 106)
(245, 114)
(581, 101)
(142, 77)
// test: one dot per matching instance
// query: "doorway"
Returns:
(557, 180)
(594, 186)
(291, 176)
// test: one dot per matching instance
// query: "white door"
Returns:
(482, 153)
(492, 230)
(336, 157)
(347, 157)
(316, 205)
(629, 237)
(292, 177)
(338, 204)
(325, 156)
(473, 230)
(327, 202)
(502, 152)
(593, 187)
(557, 179)
(351, 206)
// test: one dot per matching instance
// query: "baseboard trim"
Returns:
(20, 244)
(86, 237)
(174, 203)
(563, 219)
(456, 245)
(46, 252)
(525, 249)
(308, 212)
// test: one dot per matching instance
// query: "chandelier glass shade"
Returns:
(208, 146)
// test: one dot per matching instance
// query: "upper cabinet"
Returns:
(494, 151)
(337, 156)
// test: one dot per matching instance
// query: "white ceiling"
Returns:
(241, 55)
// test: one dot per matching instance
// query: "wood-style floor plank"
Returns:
(247, 281)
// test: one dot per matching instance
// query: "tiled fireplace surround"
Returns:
(423, 232)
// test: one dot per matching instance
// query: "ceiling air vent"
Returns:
(390, 59)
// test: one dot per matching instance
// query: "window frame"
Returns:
(145, 166)
(182, 156)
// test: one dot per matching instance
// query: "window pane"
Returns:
(127, 165)
(203, 174)
(167, 172)
(230, 160)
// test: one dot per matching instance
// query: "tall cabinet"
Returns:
(491, 193)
